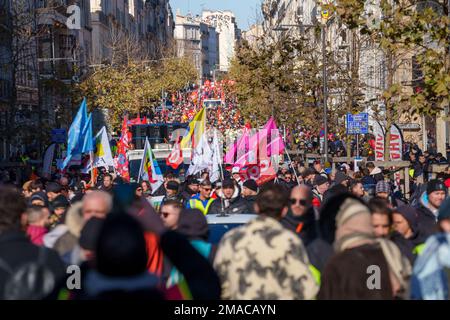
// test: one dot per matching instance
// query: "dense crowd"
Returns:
(311, 233)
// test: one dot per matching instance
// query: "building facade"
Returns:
(229, 33)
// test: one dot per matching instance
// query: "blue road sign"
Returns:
(358, 123)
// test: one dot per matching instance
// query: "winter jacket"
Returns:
(250, 201)
(409, 247)
(346, 275)
(230, 206)
(262, 260)
(426, 219)
(16, 250)
(431, 273)
(377, 174)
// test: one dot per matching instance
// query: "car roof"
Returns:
(232, 218)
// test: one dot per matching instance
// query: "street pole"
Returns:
(325, 94)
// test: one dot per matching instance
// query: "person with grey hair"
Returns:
(65, 239)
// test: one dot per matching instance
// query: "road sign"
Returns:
(59, 135)
(358, 123)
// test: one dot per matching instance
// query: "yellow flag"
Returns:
(196, 130)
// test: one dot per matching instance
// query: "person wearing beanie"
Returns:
(249, 193)
(53, 190)
(429, 204)
(58, 208)
(383, 189)
(191, 188)
(407, 235)
(321, 186)
(172, 192)
(345, 223)
(229, 200)
(39, 199)
(193, 225)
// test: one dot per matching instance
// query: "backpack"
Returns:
(32, 280)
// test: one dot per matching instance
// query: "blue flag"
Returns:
(88, 140)
(75, 138)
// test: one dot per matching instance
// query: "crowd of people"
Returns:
(313, 234)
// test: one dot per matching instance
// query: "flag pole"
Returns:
(91, 161)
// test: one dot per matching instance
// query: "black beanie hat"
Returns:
(435, 185)
(251, 184)
(227, 183)
(173, 185)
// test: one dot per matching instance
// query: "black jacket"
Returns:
(17, 250)
(236, 205)
(407, 246)
(426, 220)
(250, 200)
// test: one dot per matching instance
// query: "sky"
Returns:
(244, 10)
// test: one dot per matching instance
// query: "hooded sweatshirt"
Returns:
(230, 206)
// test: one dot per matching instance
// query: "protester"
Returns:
(229, 200)
(321, 186)
(39, 198)
(172, 192)
(191, 188)
(245, 251)
(249, 193)
(53, 190)
(58, 208)
(170, 213)
(357, 189)
(340, 184)
(146, 189)
(32, 272)
(37, 221)
(236, 175)
(407, 235)
(381, 217)
(374, 171)
(202, 200)
(26, 189)
(317, 165)
(162, 190)
(107, 184)
(429, 206)
(345, 275)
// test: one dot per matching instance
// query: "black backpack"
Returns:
(32, 280)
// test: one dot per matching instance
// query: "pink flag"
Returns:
(238, 148)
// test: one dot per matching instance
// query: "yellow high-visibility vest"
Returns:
(197, 204)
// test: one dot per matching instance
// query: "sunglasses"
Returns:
(207, 189)
(164, 214)
(302, 202)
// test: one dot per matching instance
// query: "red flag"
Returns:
(121, 160)
(175, 158)
(144, 120)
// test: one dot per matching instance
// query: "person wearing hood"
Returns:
(340, 184)
(193, 225)
(375, 172)
(249, 193)
(429, 204)
(407, 235)
(430, 280)
(229, 200)
(346, 222)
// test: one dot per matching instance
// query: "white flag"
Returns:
(202, 157)
(102, 155)
(216, 160)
